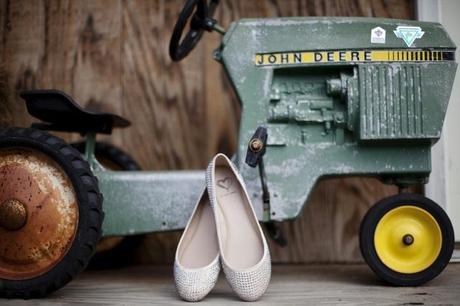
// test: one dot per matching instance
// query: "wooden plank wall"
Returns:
(113, 55)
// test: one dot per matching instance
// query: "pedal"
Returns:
(256, 147)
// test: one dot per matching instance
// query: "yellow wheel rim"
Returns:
(408, 239)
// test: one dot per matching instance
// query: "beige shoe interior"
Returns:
(199, 243)
(241, 242)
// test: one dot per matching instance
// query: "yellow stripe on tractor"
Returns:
(346, 56)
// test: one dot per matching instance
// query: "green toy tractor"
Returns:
(320, 97)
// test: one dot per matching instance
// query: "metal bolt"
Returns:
(256, 145)
(13, 215)
(408, 239)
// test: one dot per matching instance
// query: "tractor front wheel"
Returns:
(406, 239)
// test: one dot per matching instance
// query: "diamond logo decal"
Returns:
(409, 34)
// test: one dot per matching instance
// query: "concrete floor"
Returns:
(290, 285)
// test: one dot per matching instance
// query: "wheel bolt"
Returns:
(408, 239)
(256, 145)
(13, 215)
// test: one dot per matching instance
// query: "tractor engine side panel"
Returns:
(335, 104)
(403, 101)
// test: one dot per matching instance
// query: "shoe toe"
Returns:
(250, 285)
(194, 284)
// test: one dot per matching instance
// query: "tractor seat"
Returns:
(59, 112)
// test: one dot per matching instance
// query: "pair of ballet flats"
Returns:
(222, 231)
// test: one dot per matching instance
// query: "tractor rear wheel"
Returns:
(110, 156)
(407, 239)
(50, 213)
(115, 251)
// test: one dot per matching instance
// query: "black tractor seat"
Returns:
(60, 112)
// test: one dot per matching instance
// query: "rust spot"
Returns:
(47, 194)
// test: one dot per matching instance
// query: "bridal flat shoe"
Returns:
(243, 249)
(196, 265)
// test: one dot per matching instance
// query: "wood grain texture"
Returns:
(112, 55)
(290, 285)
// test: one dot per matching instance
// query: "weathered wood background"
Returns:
(113, 55)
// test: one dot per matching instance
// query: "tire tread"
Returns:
(91, 200)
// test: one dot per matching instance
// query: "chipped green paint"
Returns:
(333, 118)
(137, 202)
(376, 116)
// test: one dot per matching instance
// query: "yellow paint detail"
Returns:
(344, 56)
(408, 220)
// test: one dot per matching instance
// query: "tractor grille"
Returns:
(390, 102)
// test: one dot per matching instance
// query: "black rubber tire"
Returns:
(366, 239)
(121, 254)
(90, 219)
(107, 151)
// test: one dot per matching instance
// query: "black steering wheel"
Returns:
(200, 21)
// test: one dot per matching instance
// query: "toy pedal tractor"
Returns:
(337, 97)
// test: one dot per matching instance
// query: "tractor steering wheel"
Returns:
(200, 21)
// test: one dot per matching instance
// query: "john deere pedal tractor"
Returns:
(320, 97)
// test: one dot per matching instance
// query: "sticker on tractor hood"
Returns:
(408, 34)
(378, 35)
(346, 56)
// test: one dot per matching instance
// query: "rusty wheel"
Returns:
(50, 213)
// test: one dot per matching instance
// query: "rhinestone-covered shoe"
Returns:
(243, 249)
(196, 265)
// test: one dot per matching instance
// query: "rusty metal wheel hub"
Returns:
(38, 214)
(13, 215)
